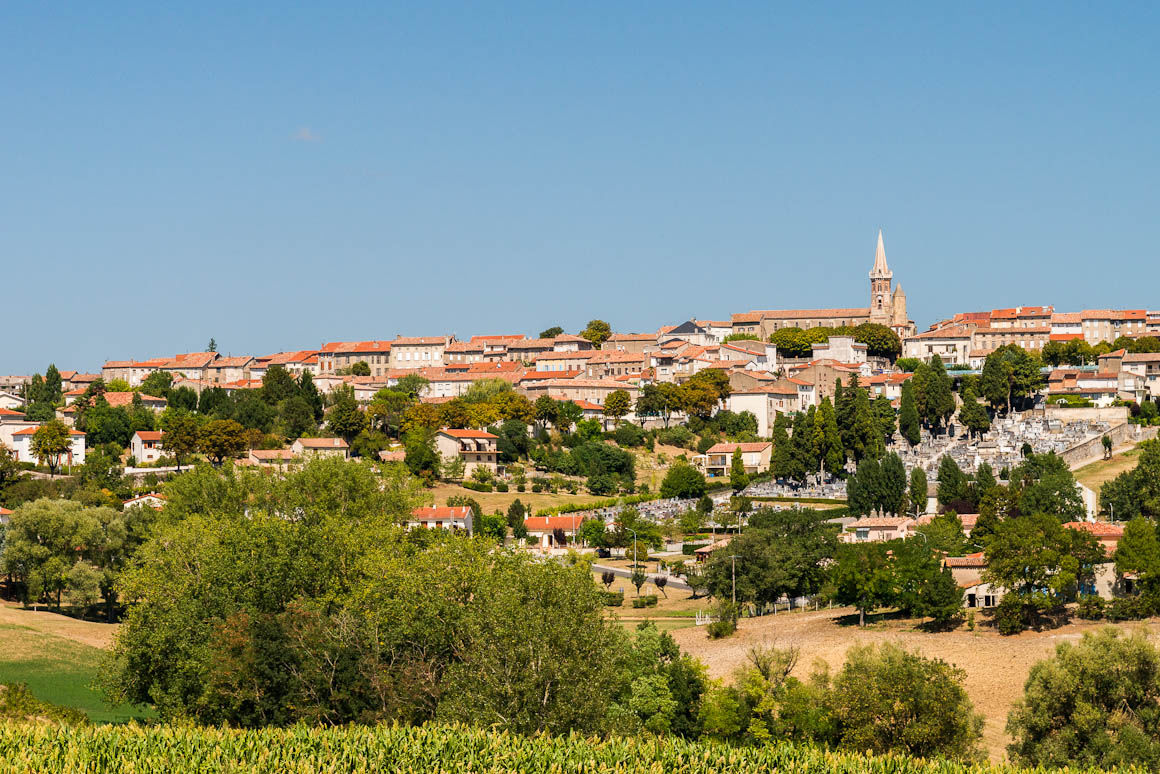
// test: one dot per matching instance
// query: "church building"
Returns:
(887, 307)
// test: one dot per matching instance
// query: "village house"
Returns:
(553, 531)
(270, 458)
(147, 446)
(463, 352)
(320, 447)
(967, 572)
(718, 460)
(593, 390)
(1139, 376)
(21, 446)
(151, 500)
(952, 344)
(10, 402)
(765, 403)
(877, 529)
(477, 448)
(454, 518)
(418, 351)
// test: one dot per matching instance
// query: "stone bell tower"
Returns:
(881, 297)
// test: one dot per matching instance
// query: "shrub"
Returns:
(1009, 615)
(1128, 609)
(476, 486)
(614, 598)
(1093, 704)
(719, 629)
(676, 436)
(501, 486)
(537, 487)
(629, 435)
(1090, 608)
(886, 698)
(638, 602)
(683, 480)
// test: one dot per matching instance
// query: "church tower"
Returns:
(881, 298)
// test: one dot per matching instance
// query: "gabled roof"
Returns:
(460, 433)
(688, 326)
(549, 523)
(441, 513)
(149, 435)
(322, 443)
(729, 448)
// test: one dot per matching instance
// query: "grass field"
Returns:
(1095, 474)
(58, 657)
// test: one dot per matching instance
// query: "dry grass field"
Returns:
(1095, 474)
(996, 667)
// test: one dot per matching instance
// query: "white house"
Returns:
(320, 447)
(442, 517)
(146, 445)
(10, 401)
(22, 446)
(150, 500)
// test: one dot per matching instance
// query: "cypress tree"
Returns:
(953, 483)
(916, 493)
(828, 439)
(781, 463)
(908, 421)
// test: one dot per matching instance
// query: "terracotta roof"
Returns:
(464, 346)
(419, 341)
(1114, 314)
(1067, 317)
(10, 413)
(1065, 336)
(1100, 529)
(441, 513)
(805, 314)
(457, 433)
(881, 521)
(272, 454)
(950, 332)
(548, 523)
(323, 443)
(584, 355)
(31, 430)
(392, 456)
(149, 435)
(632, 337)
(498, 339)
(729, 448)
(970, 560)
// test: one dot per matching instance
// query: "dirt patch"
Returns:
(996, 667)
(96, 635)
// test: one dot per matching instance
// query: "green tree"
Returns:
(157, 384)
(297, 416)
(1039, 561)
(973, 415)
(278, 385)
(1079, 710)
(944, 533)
(182, 435)
(684, 481)
(938, 394)
(344, 418)
(658, 400)
(781, 460)
(923, 587)
(50, 443)
(551, 333)
(828, 448)
(597, 332)
(221, 439)
(420, 456)
(52, 385)
(782, 553)
(617, 405)
(412, 384)
(738, 478)
(953, 484)
(888, 699)
(1010, 373)
(1138, 553)
(917, 490)
(863, 577)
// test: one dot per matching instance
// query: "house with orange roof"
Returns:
(718, 460)
(563, 361)
(594, 390)
(454, 518)
(10, 402)
(320, 447)
(463, 353)
(765, 402)
(1110, 324)
(477, 448)
(553, 531)
(877, 529)
(21, 446)
(418, 351)
(147, 446)
(952, 343)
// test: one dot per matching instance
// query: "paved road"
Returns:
(674, 581)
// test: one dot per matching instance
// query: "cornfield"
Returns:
(49, 749)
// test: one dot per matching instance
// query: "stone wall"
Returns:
(1093, 448)
(1112, 414)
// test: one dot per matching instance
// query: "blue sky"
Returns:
(278, 177)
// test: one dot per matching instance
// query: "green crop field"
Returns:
(440, 749)
(57, 670)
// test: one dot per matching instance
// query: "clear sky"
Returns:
(278, 177)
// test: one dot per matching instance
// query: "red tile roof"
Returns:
(457, 433)
(441, 513)
(729, 448)
(149, 435)
(549, 523)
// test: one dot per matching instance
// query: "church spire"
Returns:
(880, 268)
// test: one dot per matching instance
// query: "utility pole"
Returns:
(734, 558)
(633, 531)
